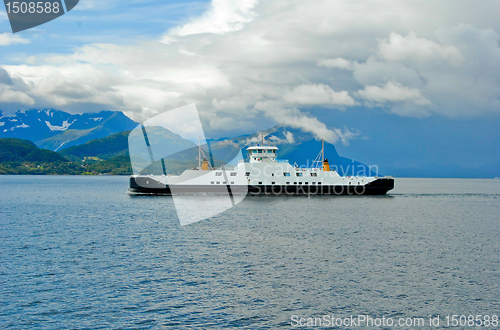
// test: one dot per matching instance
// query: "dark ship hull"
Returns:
(148, 185)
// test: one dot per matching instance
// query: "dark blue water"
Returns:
(79, 252)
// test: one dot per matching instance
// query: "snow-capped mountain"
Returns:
(57, 130)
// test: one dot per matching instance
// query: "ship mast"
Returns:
(199, 152)
(322, 150)
(318, 162)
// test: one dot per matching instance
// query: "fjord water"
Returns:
(80, 252)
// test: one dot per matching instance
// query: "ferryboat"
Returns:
(262, 174)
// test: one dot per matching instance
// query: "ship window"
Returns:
(232, 182)
(274, 151)
(314, 174)
(300, 182)
(212, 182)
(273, 182)
(233, 173)
(288, 183)
(255, 151)
(295, 183)
(218, 173)
(218, 182)
(286, 174)
(319, 182)
(223, 182)
(272, 174)
(260, 182)
(269, 151)
(306, 182)
(247, 174)
(299, 174)
(260, 151)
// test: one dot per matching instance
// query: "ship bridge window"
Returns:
(255, 151)
(314, 174)
(218, 173)
(259, 151)
(269, 151)
(299, 174)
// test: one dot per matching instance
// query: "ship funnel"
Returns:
(204, 165)
(326, 165)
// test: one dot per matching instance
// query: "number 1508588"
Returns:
(32, 7)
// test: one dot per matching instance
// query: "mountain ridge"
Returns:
(57, 130)
(18, 156)
(14, 149)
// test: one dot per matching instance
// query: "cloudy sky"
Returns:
(249, 64)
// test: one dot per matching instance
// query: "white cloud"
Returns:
(223, 16)
(339, 63)
(398, 48)
(295, 118)
(459, 76)
(9, 96)
(8, 38)
(375, 71)
(287, 138)
(393, 92)
(311, 94)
